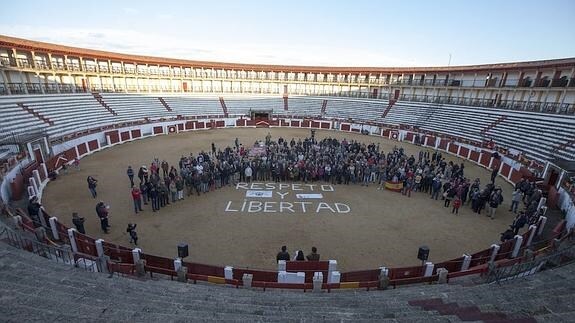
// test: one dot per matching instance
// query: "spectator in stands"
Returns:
(102, 210)
(130, 173)
(515, 198)
(313, 256)
(92, 183)
(78, 222)
(299, 256)
(131, 229)
(34, 211)
(283, 254)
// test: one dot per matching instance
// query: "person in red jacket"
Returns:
(456, 205)
(137, 197)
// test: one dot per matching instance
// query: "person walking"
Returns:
(131, 229)
(102, 210)
(92, 183)
(456, 205)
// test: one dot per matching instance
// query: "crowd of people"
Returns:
(329, 160)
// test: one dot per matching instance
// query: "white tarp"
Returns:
(252, 193)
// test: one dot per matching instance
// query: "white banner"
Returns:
(309, 196)
(250, 193)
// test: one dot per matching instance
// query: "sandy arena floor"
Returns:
(382, 228)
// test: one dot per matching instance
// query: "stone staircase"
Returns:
(35, 114)
(36, 289)
(100, 100)
(165, 104)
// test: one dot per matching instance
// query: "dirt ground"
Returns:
(382, 228)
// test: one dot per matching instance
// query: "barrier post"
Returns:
(281, 265)
(466, 262)
(72, 237)
(428, 270)
(442, 272)
(532, 231)
(517, 246)
(100, 247)
(54, 228)
(229, 272)
(494, 250)
(317, 281)
(541, 224)
(247, 280)
(383, 277)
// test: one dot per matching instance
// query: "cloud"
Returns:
(130, 11)
(180, 46)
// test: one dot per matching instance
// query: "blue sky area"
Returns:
(335, 33)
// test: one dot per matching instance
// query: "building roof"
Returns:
(37, 46)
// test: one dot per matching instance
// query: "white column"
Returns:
(31, 191)
(447, 148)
(177, 264)
(466, 262)
(78, 153)
(98, 142)
(541, 224)
(558, 184)
(317, 281)
(468, 154)
(331, 269)
(108, 141)
(542, 202)
(36, 175)
(545, 170)
(490, 162)
(425, 141)
(281, 265)
(136, 255)
(72, 238)
(428, 270)
(32, 182)
(100, 247)
(518, 241)
(383, 271)
(229, 272)
(54, 227)
(458, 149)
(44, 169)
(494, 250)
(532, 231)
(437, 142)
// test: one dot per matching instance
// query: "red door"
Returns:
(38, 155)
(553, 178)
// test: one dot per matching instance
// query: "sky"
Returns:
(298, 32)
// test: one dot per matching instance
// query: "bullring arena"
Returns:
(382, 223)
(71, 113)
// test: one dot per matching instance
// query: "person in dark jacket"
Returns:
(92, 182)
(78, 223)
(283, 255)
(313, 256)
(130, 173)
(102, 211)
(34, 211)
